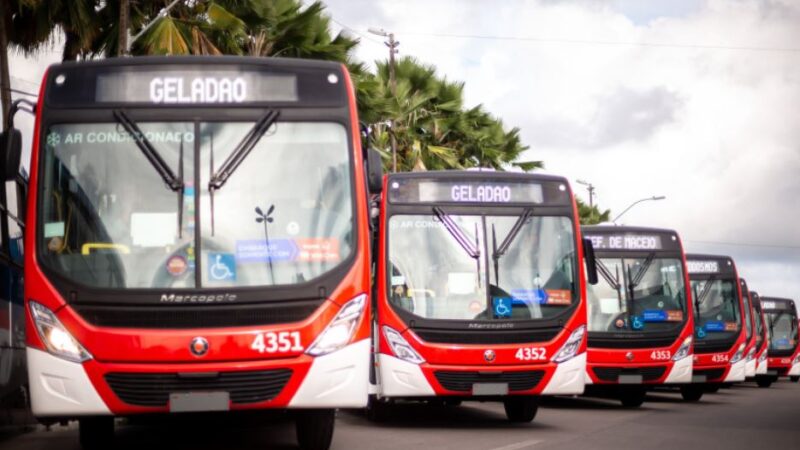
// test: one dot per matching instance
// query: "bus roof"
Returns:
(192, 80)
(702, 264)
(610, 238)
(478, 187)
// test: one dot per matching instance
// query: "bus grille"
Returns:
(711, 374)
(153, 389)
(186, 317)
(624, 342)
(782, 353)
(463, 381)
(487, 336)
(612, 373)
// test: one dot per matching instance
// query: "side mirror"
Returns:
(591, 262)
(11, 148)
(374, 171)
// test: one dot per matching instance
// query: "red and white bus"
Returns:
(197, 240)
(783, 353)
(480, 290)
(750, 331)
(762, 335)
(719, 334)
(639, 313)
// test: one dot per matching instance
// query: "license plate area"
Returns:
(490, 389)
(773, 372)
(199, 401)
(630, 378)
(699, 378)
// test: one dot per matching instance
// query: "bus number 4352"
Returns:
(531, 354)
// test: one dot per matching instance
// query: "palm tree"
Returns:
(591, 215)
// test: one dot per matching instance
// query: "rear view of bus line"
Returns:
(480, 290)
(197, 240)
(719, 333)
(640, 322)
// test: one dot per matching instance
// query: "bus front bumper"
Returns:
(398, 378)
(676, 372)
(64, 389)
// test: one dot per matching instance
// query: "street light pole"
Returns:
(590, 188)
(392, 44)
(653, 198)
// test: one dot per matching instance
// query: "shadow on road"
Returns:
(423, 415)
(584, 403)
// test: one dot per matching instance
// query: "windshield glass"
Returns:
(716, 309)
(759, 327)
(434, 276)
(637, 295)
(108, 219)
(782, 326)
(748, 324)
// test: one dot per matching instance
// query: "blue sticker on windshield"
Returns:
(501, 306)
(637, 323)
(258, 250)
(715, 326)
(655, 315)
(700, 333)
(529, 296)
(781, 343)
(221, 267)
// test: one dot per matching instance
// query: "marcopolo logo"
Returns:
(202, 298)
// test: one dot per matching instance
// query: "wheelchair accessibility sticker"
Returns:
(222, 267)
(502, 306)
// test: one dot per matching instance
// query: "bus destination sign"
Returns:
(701, 266)
(625, 241)
(417, 190)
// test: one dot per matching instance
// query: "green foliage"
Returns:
(593, 215)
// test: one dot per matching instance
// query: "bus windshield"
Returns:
(783, 330)
(716, 309)
(481, 267)
(109, 220)
(748, 325)
(637, 295)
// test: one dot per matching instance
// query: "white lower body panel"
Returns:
(736, 373)
(400, 378)
(336, 380)
(569, 377)
(681, 371)
(761, 368)
(60, 388)
(794, 370)
(750, 368)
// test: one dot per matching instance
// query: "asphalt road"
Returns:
(743, 417)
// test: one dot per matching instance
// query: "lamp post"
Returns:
(392, 44)
(653, 198)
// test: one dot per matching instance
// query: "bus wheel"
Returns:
(692, 392)
(632, 398)
(521, 409)
(96, 433)
(764, 382)
(794, 379)
(314, 428)
(452, 402)
(712, 388)
(377, 410)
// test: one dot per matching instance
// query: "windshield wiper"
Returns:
(237, 156)
(458, 234)
(645, 265)
(498, 253)
(174, 182)
(612, 280)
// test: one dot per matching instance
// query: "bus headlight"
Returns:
(56, 338)
(571, 347)
(400, 347)
(340, 331)
(751, 355)
(738, 355)
(796, 359)
(683, 350)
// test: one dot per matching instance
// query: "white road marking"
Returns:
(519, 445)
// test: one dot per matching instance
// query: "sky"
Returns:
(695, 100)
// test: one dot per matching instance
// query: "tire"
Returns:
(632, 398)
(314, 428)
(96, 433)
(763, 382)
(712, 388)
(794, 379)
(377, 411)
(452, 402)
(521, 409)
(692, 392)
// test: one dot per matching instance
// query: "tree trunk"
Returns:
(5, 76)
(124, 18)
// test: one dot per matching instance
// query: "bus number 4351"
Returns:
(281, 342)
